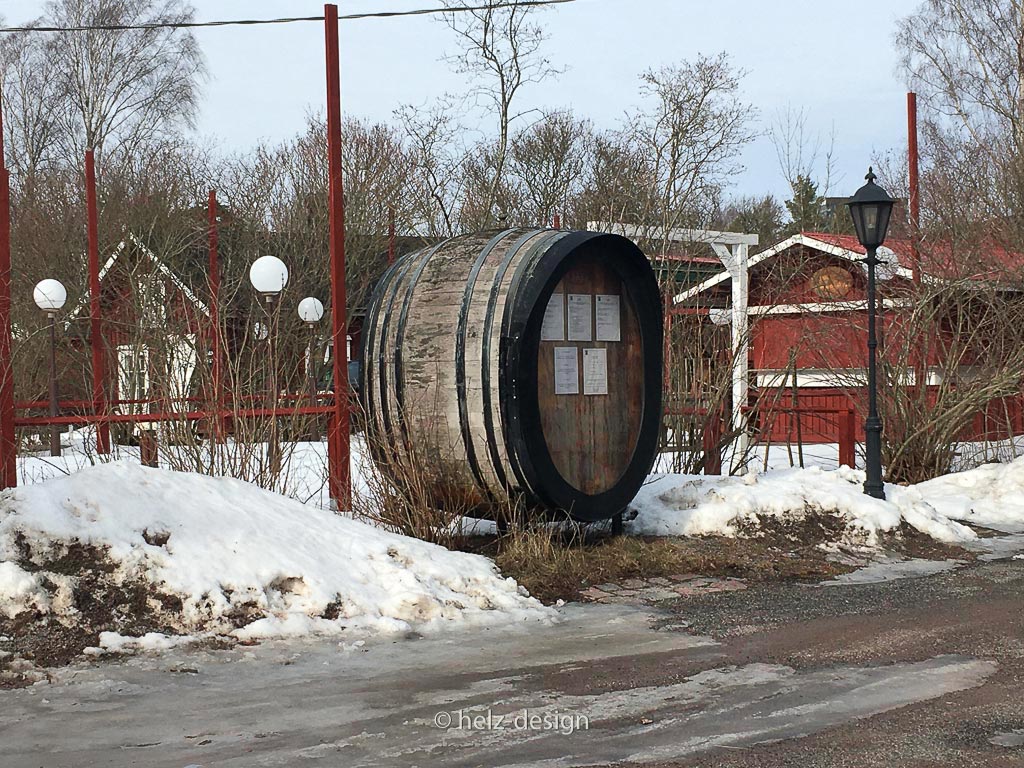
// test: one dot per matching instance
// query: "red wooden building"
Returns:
(807, 315)
(157, 338)
(155, 329)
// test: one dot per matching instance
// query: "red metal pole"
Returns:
(391, 235)
(915, 200)
(846, 439)
(8, 444)
(96, 321)
(338, 433)
(214, 269)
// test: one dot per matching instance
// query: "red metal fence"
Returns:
(712, 430)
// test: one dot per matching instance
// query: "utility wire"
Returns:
(287, 20)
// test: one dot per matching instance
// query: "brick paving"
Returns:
(660, 588)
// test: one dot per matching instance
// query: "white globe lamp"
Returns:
(49, 295)
(311, 310)
(268, 275)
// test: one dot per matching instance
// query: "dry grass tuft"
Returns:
(558, 564)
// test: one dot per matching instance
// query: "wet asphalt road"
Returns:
(921, 672)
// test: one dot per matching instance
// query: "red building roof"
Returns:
(939, 259)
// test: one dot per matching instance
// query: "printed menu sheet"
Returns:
(581, 320)
(608, 318)
(595, 371)
(567, 371)
(553, 327)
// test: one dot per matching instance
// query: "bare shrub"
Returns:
(419, 490)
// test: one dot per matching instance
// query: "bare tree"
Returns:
(282, 191)
(487, 197)
(118, 90)
(30, 93)
(801, 152)
(549, 161)
(681, 149)
(435, 185)
(619, 182)
(501, 52)
(761, 215)
(965, 59)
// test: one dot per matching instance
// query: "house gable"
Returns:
(134, 244)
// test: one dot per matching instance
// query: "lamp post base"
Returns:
(875, 490)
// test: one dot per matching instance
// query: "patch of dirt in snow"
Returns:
(771, 548)
(810, 527)
(553, 569)
(909, 541)
(82, 577)
(816, 529)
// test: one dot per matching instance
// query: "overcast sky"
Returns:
(835, 59)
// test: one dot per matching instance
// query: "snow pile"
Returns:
(991, 495)
(229, 557)
(693, 505)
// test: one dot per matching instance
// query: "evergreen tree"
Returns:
(807, 209)
(762, 216)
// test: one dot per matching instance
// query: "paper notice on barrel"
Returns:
(581, 317)
(567, 371)
(607, 321)
(553, 327)
(595, 371)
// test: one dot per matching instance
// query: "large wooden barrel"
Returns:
(521, 365)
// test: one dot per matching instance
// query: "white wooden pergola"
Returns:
(733, 249)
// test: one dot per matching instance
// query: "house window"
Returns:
(132, 374)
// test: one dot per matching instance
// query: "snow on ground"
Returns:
(687, 505)
(19, 591)
(893, 569)
(762, 458)
(226, 548)
(991, 496)
(303, 476)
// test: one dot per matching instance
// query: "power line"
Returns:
(286, 20)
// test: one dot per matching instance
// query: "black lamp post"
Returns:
(870, 209)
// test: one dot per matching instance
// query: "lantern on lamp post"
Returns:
(50, 296)
(269, 276)
(870, 209)
(311, 310)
